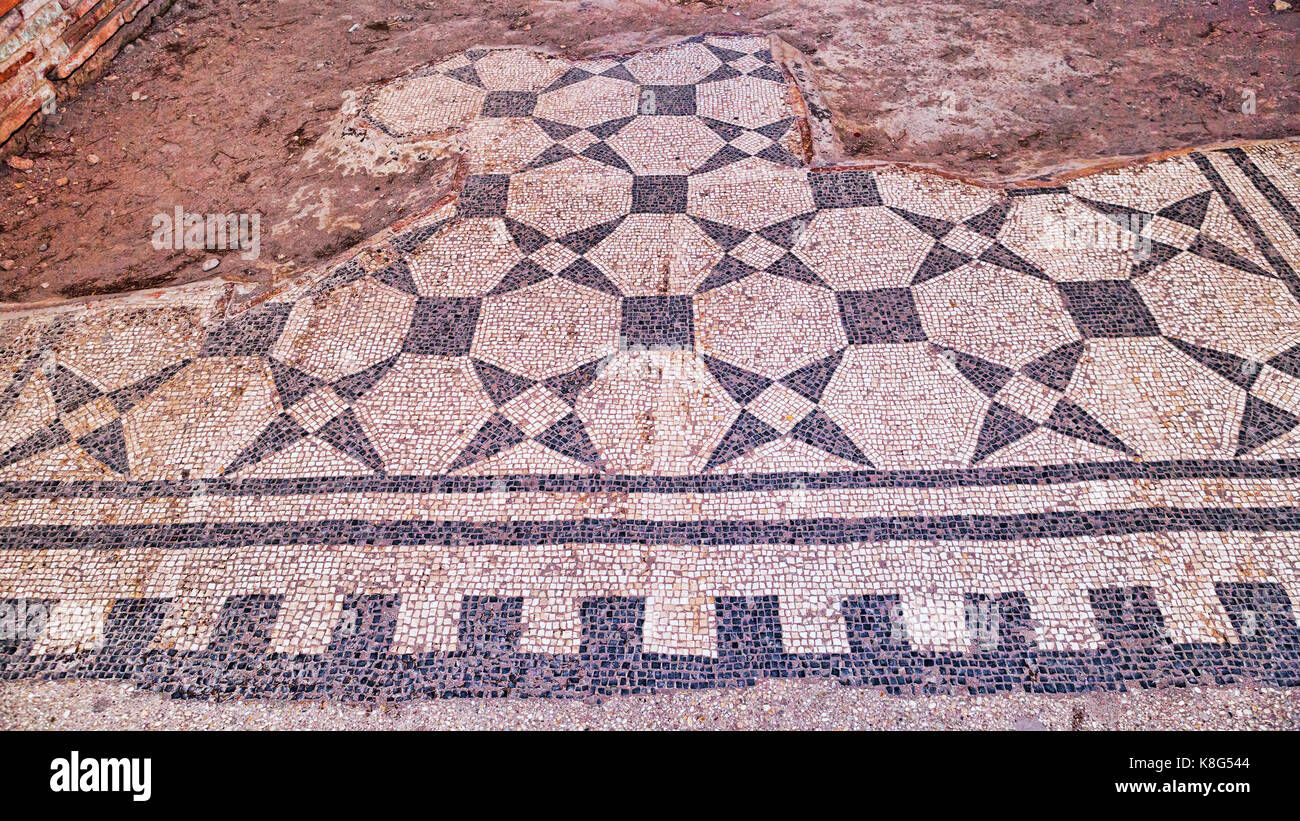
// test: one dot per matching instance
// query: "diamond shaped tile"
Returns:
(780, 408)
(1108, 308)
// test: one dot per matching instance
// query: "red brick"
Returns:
(7, 73)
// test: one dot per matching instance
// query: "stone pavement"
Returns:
(654, 403)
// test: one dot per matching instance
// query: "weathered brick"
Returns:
(50, 36)
(47, 20)
(12, 119)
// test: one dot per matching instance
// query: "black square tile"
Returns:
(667, 101)
(1127, 615)
(659, 194)
(442, 326)
(612, 626)
(874, 623)
(658, 322)
(491, 625)
(999, 622)
(366, 625)
(244, 624)
(509, 104)
(1260, 611)
(484, 195)
(748, 626)
(880, 317)
(1108, 308)
(844, 189)
(132, 625)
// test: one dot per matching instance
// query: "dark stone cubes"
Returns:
(844, 189)
(659, 194)
(1108, 308)
(658, 322)
(509, 104)
(880, 317)
(666, 101)
(484, 195)
(443, 326)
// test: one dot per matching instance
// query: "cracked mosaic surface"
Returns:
(653, 404)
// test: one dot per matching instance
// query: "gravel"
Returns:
(772, 705)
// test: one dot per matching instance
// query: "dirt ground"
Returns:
(217, 107)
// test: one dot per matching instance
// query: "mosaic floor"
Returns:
(655, 404)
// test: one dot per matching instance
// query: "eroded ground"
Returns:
(219, 107)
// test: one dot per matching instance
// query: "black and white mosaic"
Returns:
(653, 404)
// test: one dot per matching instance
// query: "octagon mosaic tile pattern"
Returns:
(654, 404)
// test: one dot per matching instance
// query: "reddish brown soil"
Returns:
(232, 96)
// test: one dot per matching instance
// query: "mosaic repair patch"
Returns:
(653, 403)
